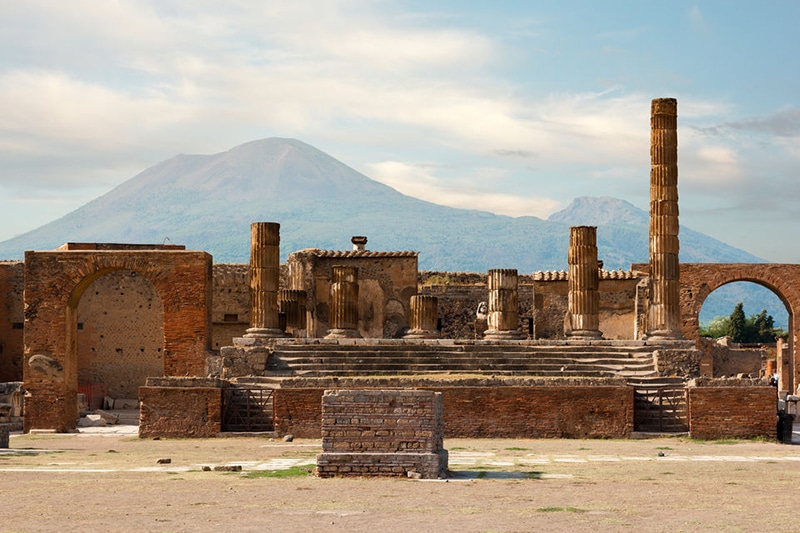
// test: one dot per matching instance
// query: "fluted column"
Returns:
(343, 319)
(292, 304)
(503, 313)
(664, 312)
(424, 317)
(264, 276)
(584, 294)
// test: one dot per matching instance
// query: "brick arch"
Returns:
(54, 284)
(698, 280)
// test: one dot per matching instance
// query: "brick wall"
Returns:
(717, 412)
(382, 433)
(494, 411)
(180, 411)
(54, 285)
(11, 320)
(120, 334)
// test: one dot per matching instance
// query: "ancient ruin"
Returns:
(223, 348)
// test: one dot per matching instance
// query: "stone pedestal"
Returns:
(664, 310)
(344, 303)
(424, 318)
(264, 276)
(503, 312)
(584, 282)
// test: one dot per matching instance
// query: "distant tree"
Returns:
(716, 328)
(738, 324)
(763, 327)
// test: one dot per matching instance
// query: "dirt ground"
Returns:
(112, 482)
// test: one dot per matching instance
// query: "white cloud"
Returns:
(417, 181)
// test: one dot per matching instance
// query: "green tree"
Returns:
(716, 328)
(763, 327)
(738, 324)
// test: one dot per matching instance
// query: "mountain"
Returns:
(207, 202)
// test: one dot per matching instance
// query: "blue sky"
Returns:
(511, 107)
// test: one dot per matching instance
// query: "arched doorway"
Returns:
(120, 338)
(751, 350)
(55, 283)
(699, 280)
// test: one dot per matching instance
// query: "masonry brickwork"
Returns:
(54, 285)
(725, 409)
(387, 433)
(12, 280)
(515, 408)
(181, 407)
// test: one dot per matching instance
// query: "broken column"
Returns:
(292, 305)
(265, 266)
(344, 303)
(584, 296)
(664, 312)
(503, 312)
(424, 317)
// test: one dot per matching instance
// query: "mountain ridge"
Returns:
(208, 201)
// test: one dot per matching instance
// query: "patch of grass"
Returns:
(481, 475)
(664, 448)
(457, 448)
(533, 475)
(295, 471)
(517, 449)
(560, 510)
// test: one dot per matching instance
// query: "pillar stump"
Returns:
(265, 266)
(424, 318)
(344, 303)
(584, 282)
(503, 311)
(292, 305)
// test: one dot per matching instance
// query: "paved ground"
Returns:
(109, 480)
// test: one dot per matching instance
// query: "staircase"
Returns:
(500, 359)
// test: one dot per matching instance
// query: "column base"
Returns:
(341, 333)
(502, 334)
(664, 334)
(264, 333)
(422, 334)
(585, 334)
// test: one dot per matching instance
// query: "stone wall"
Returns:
(230, 312)
(490, 408)
(382, 433)
(120, 334)
(11, 320)
(386, 283)
(55, 283)
(177, 407)
(543, 298)
(724, 409)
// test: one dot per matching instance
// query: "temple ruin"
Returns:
(219, 348)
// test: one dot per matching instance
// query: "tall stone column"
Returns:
(292, 304)
(265, 263)
(424, 318)
(343, 319)
(664, 313)
(584, 282)
(503, 313)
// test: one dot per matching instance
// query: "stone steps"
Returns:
(317, 360)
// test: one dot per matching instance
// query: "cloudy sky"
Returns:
(514, 107)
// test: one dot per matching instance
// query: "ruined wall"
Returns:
(230, 312)
(382, 433)
(120, 334)
(11, 320)
(54, 285)
(543, 298)
(174, 411)
(493, 411)
(386, 283)
(727, 410)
